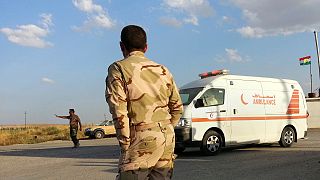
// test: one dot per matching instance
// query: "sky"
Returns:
(54, 55)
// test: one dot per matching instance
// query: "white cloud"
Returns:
(192, 20)
(47, 80)
(273, 17)
(170, 22)
(97, 17)
(31, 35)
(46, 20)
(233, 56)
(226, 19)
(191, 9)
(252, 32)
(195, 31)
(87, 6)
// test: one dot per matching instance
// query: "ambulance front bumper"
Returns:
(183, 137)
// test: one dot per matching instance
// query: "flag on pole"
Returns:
(305, 60)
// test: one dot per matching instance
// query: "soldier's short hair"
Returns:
(71, 110)
(133, 37)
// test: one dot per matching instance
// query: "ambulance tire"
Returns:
(287, 137)
(211, 143)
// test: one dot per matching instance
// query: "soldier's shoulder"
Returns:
(154, 63)
(115, 65)
(74, 116)
(167, 70)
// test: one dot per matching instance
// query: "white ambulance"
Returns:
(222, 110)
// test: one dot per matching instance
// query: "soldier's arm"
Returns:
(80, 125)
(175, 104)
(62, 117)
(117, 101)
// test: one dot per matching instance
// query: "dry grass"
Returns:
(34, 134)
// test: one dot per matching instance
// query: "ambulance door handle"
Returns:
(234, 111)
(223, 111)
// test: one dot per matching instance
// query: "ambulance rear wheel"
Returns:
(211, 143)
(287, 137)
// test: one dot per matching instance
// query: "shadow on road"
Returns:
(83, 152)
(106, 136)
(267, 161)
(195, 152)
(109, 167)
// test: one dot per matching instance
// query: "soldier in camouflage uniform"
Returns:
(146, 106)
(74, 121)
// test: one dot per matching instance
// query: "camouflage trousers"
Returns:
(151, 174)
(150, 154)
(73, 135)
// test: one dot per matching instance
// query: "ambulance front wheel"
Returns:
(287, 137)
(211, 143)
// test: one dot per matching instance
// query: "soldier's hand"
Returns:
(80, 129)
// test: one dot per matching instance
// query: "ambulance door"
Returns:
(210, 111)
(247, 113)
(279, 98)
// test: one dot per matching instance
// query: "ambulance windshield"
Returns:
(187, 95)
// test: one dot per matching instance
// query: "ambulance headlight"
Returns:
(184, 122)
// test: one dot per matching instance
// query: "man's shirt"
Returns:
(74, 120)
(141, 91)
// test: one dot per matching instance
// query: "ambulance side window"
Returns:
(213, 97)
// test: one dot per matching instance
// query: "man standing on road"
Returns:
(145, 105)
(74, 121)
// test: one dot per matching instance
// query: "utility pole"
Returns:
(105, 117)
(25, 119)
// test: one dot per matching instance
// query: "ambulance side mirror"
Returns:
(199, 103)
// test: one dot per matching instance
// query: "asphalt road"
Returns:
(97, 159)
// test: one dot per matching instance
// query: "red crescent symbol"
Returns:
(243, 102)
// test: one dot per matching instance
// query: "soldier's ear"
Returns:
(145, 48)
(122, 46)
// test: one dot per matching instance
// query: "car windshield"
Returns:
(187, 95)
(106, 123)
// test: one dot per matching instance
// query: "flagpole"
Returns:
(306, 61)
(316, 39)
(310, 78)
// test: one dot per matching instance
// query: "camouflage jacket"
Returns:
(74, 121)
(148, 95)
